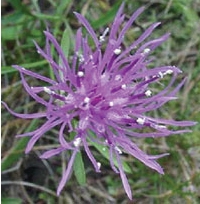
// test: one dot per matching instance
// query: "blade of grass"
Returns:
(9, 69)
(79, 169)
(62, 6)
(45, 16)
(17, 151)
(65, 45)
(65, 42)
(18, 5)
(6, 200)
(106, 18)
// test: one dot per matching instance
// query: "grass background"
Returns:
(25, 178)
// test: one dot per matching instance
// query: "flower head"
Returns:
(108, 92)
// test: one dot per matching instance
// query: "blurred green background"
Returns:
(27, 179)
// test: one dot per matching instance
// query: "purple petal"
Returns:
(66, 174)
(131, 20)
(33, 74)
(61, 137)
(112, 160)
(89, 154)
(123, 177)
(24, 116)
(58, 49)
(38, 133)
(52, 152)
(88, 27)
(31, 93)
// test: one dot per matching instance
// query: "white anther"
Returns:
(99, 165)
(148, 93)
(123, 86)
(161, 74)
(118, 77)
(47, 90)
(38, 52)
(117, 51)
(81, 58)
(102, 37)
(118, 149)
(106, 31)
(77, 142)
(160, 126)
(23, 68)
(86, 100)
(111, 103)
(140, 121)
(146, 50)
(83, 123)
(169, 71)
(80, 74)
(100, 128)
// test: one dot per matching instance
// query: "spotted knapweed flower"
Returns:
(108, 90)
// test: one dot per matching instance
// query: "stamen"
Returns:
(118, 149)
(148, 93)
(140, 121)
(146, 50)
(102, 37)
(123, 86)
(111, 103)
(81, 58)
(77, 142)
(47, 90)
(83, 123)
(118, 77)
(99, 165)
(161, 74)
(117, 51)
(169, 71)
(160, 126)
(80, 74)
(86, 100)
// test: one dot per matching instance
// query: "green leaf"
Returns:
(62, 6)
(107, 17)
(45, 16)
(65, 42)
(10, 33)
(19, 5)
(17, 151)
(79, 169)
(9, 69)
(183, 6)
(11, 201)
(105, 152)
(13, 18)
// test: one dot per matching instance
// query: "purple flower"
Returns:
(108, 92)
